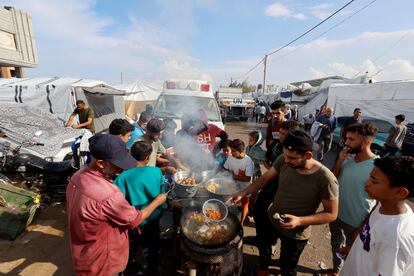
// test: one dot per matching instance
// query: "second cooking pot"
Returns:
(186, 190)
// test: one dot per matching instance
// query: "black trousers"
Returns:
(267, 235)
(407, 149)
(264, 199)
(149, 238)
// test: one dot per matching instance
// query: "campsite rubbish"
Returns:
(18, 211)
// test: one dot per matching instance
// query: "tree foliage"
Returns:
(246, 86)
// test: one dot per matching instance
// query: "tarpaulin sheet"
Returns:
(21, 122)
(58, 96)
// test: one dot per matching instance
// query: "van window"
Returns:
(172, 106)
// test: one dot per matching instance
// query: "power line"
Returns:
(387, 50)
(328, 30)
(296, 39)
(248, 72)
(311, 29)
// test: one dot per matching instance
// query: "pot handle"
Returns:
(234, 244)
(190, 190)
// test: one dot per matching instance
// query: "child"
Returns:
(242, 168)
(141, 185)
(168, 135)
(385, 244)
(222, 156)
(258, 156)
(255, 151)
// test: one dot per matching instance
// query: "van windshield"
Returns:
(171, 106)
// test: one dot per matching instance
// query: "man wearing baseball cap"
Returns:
(304, 183)
(159, 154)
(98, 214)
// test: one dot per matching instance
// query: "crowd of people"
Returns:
(362, 196)
(115, 202)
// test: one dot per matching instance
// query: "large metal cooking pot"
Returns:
(199, 230)
(207, 175)
(186, 190)
(222, 188)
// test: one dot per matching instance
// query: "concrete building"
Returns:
(17, 43)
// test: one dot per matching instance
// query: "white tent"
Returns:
(382, 100)
(138, 94)
(317, 100)
(58, 96)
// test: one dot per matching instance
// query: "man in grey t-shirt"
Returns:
(395, 137)
(304, 183)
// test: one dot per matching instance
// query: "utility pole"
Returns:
(122, 81)
(264, 74)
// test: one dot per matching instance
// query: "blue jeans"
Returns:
(341, 236)
(324, 144)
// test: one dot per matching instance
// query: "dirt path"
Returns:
(42, 251)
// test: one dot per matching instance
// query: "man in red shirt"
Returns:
(278, 116)
(207, 133)
(98, 214)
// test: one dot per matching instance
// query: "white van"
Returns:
(187, 96)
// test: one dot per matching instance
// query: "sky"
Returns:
(220, 40)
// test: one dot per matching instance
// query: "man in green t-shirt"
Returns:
(85, 115)
(304, 184)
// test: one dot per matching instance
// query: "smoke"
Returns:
(193, 154)
(187, 147)
(192, 150)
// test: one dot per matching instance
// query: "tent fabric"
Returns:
(58, 96)
(52, 81)
(105, 108)
(140, 91)
(104, 90)
(21, 122)
(137, 95)
(382, 100)
(319, 99)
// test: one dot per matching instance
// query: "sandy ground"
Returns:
(44, 248)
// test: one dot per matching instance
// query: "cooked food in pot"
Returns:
(188, 181)
(221, 188)
(212, 187)
(214, 214)
(198, 228)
